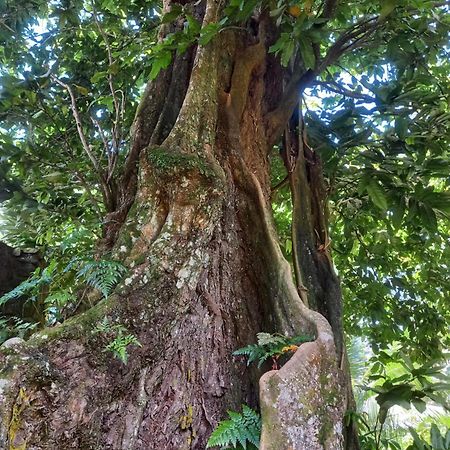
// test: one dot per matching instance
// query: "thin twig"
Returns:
(338, 89)
(117, 109)
(78, 122)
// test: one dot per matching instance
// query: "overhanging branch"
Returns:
(333, 86)
(351, 39)
(277, 119)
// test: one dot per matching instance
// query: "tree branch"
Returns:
(118, 106)
(107, 189)
(89, 193)
(78, 122)
(338, 89)
(349, 40)
(329, 8)
(276, 119)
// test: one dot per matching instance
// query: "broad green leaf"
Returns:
(175, 11)
(307, 52)
(436, 439)
(377, 195)
(208, 33)
(159, 62)
(401, 127)
(286, 52)
(82, 90)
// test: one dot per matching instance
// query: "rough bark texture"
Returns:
(205, 275)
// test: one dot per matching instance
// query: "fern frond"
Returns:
(269, 339)
(23, 288)
(253, 353)
(241, 430)
(31, 286)
(270, 346)
(102, 275)
(59, 298)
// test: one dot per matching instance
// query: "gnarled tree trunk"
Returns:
(205, 275)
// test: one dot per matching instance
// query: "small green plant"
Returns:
(271, 346)
(31, 287)
(394, 380)
(102, 275)
(121, 339)
(15, 327)
(240, 431)
(61, 281)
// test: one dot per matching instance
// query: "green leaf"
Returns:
(401, 127)
(175, 11)
(398, 212)
(427, 217)
(159, 62)
(82, 90)
(417, 440)
(98, 76)
(447, 440)
(307, 52)
(194, 25)
(208, 33)
(114, 68)
(287, 52)
(387, 6)
(436, 439)
(243, 428)
(420, 405)
(377, 195)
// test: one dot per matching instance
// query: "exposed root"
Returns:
(302, 403)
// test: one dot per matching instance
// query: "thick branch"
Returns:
(277, 119)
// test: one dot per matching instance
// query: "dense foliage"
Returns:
(378, 115)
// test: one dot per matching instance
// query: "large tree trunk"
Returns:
(205, 275)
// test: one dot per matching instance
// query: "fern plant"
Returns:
(102, 275)
(121, 339)
(240, 431)
(61, 280)
(15, 327)
(271, 346)
(31, 287)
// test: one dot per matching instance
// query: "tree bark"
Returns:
(205, 275)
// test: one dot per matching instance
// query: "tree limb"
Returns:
(349, 40)
(118, 106)
(276, 119)
(81, 134)
(338, 89)
(107, 189)
(329, 8)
